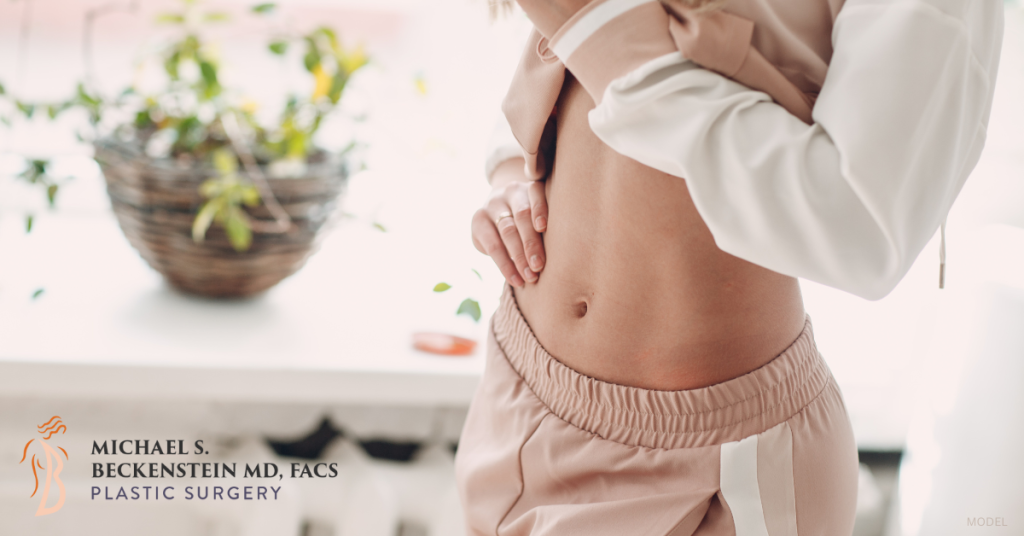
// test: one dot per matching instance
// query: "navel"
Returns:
(580, 308)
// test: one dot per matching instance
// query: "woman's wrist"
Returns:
(509, 171)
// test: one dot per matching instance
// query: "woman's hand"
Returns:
(508, 227)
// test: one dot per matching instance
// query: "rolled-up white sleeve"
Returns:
(851, 200)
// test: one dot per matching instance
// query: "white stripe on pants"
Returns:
(757, 483)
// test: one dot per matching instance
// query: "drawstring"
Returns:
(942, 254)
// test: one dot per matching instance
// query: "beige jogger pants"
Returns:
(548, 451)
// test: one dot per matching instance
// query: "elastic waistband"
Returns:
(728, 411)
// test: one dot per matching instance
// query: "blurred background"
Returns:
(315, 358)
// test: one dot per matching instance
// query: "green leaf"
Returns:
(470, 307)
(191, 132)
(3, 90)
(352, 61)
(480, 277)
(51, 193)
(328, 33)
(441, 287)
(211, 188)
(209, 72)
(189, 46)
(225, 161)
(84, 96)
(264, 8)
(237, 227)
(349, 148)
(296, 145)
(337, 85)
(378, 226)
(28, 223)
(38, 293)
(312, 57)
(171, 65)
(170, 18)
(205, 218)
(278, 47)
(26, 108)
(216, 16)
(311, 60)
(35, 170)
(250, 195)
(143, 120)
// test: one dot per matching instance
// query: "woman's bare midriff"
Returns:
(634, 290)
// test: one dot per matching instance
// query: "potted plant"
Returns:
(220, 204)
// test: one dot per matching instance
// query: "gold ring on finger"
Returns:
(502, 216)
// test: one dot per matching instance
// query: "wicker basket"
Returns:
(156, 200)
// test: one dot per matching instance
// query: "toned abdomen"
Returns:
(634, 290)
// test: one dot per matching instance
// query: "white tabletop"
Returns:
(338, 331)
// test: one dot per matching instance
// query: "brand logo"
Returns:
(54, 465)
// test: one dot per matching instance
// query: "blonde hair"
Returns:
(504, 7)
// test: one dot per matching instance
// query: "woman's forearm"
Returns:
(851, 200)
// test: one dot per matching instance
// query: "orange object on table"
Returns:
(442, 343)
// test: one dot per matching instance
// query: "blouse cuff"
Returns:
(608, 39)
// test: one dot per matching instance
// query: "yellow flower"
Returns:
(323, 83)
(249, 106)
(353, 60)
(421, 84)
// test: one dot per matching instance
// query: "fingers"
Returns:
(487, 241)
(509, 232)
(539, 206)
(533, 247)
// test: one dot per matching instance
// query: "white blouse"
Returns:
(850, 200)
